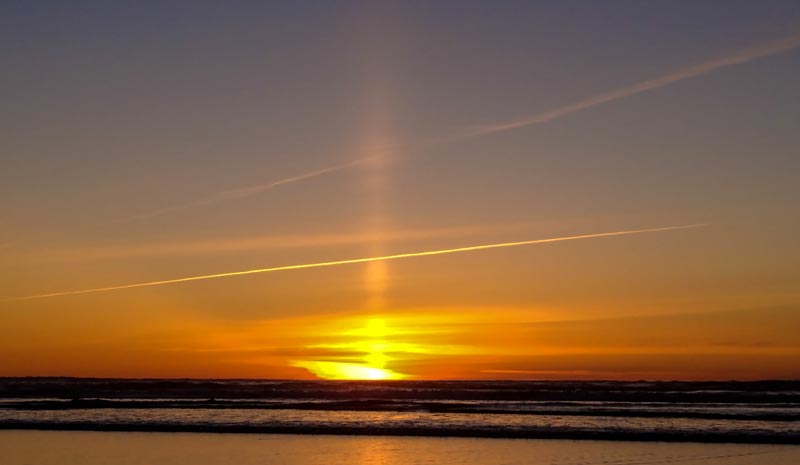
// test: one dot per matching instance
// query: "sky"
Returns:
(400, 190)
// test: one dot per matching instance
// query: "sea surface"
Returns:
(732, 412)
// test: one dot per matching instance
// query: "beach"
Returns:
(130, 448)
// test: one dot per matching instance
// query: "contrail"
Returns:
(357, 260)
(247, 191)
(742, 56)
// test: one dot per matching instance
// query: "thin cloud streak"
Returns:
(247, 191)
(255, 243)
(741, 57)
(358, 260)
(541, 372)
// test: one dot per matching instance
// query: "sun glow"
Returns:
(373, 340)
(345, 371)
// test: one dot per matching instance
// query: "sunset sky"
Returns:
(144, 142)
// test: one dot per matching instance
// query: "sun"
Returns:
(373, 339)
(351, 371)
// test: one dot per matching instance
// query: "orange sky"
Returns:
(271, 141)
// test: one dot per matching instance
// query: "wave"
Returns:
(770, 412)
(663, 391)
(409, 424)
(756, 412)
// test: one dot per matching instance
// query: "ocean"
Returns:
(762, 412)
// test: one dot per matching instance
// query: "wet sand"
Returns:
(129, 448)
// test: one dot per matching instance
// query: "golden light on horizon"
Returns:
(347, 371)
(374, 341)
